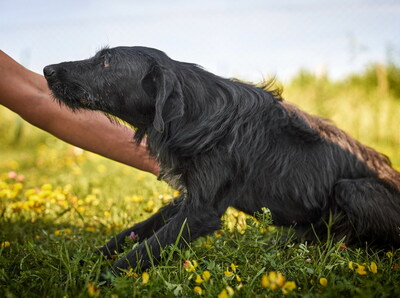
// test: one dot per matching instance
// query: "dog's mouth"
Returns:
(62, 94)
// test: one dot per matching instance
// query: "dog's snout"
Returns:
(49, 71)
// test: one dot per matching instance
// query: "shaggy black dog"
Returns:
(226, 143)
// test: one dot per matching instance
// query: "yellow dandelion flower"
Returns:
(5, 193)
(373, 268)
(145, 278)
(137, 198)
(80, 209)
(273, 286)
(288, 287)
(272, 276)
(92, 290)
(351, 267)
(130, 273)
(149, 207)
(107, 214)
(62, 232)
(276, 278)
(227, 272)
(5, 244)
(30, 192)
(165, 198)
(17, 186)
(230, 291)
(223, 294)
(323, 281)
(47, 186)
(273, 280)
(280, 279)
(265, 281)
(12, 194)
(198, 279)
(233, 267)
(198, 290)
(206, 275)
(361, 270)
(91, 229)
(44, 194)
(176, 193)
(218, 233)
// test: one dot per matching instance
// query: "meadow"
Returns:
(58, 203)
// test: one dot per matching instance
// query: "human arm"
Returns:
(26, 93)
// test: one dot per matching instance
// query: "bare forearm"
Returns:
(94, 132)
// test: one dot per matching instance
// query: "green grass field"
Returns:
(58, 203)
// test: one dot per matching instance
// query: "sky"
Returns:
(247, 39)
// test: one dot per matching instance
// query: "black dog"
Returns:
(227, 143)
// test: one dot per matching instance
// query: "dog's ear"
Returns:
(163, 85)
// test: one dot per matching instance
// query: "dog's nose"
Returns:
(49, 71)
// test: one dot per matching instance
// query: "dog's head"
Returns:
(136, 84)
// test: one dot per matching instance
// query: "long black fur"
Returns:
(226, 143)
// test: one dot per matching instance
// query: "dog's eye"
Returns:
(105, 61)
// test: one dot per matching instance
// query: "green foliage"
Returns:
(58, 203)
(378, 76)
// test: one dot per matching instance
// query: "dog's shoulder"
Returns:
(306, 127)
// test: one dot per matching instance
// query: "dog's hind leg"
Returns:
(188, 224)
(373, 211)
(143, 230)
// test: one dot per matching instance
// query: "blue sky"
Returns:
(248, 39)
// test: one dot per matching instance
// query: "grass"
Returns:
(58, 203)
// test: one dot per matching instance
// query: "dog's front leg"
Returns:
(191, 221)
(143, 230)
